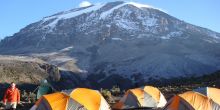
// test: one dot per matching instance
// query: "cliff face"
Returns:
(28, 72)
(21, 71)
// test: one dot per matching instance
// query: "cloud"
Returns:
(85, 4)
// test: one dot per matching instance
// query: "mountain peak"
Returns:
(123, 38)
(83, 10)
(136, 4)
(139, 5)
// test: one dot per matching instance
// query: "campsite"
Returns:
(43, 97)
(152, 96)
(109, 55)
(144, 98)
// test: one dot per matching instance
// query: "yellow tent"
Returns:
(213, 93)
(191, 101)
(177, 103)
(147, 96)
(76, 99)
(156, 94)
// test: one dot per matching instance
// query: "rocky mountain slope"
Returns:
(28, 72)
(119, 42)
(12, 70)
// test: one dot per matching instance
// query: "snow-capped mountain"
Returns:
(125, 39)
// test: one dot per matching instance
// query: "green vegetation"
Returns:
(115, 90)
(29, 97)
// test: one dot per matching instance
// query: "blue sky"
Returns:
(16, 14)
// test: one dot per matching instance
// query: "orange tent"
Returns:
(191, 101)
(147, 96)
(213, 93)
(178, 103)
(76, 99)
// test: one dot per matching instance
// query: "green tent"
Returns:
(44, 88)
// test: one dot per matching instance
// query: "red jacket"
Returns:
(12, 95)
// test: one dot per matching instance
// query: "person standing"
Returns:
(11, 97)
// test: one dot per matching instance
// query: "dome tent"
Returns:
(145, 97)
(76, 99)
(191, 101)
(213, 93)
(177, 103)
(44, 88)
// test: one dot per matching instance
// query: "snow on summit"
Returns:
(103, 15)
(139, 5)
(87, 7)
(71, 14)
